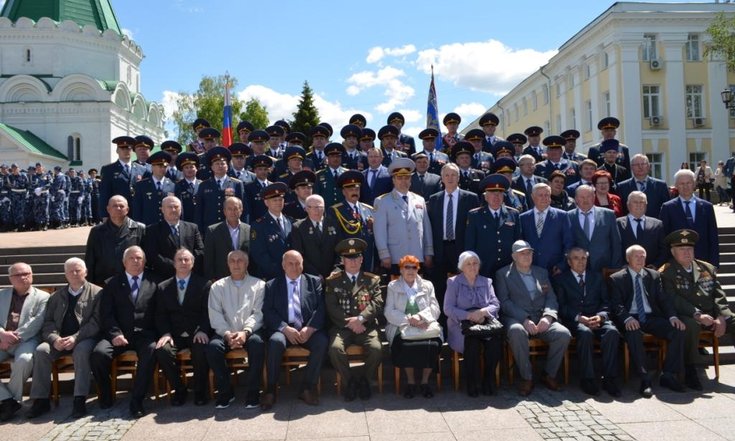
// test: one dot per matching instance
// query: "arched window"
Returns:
(74, 147)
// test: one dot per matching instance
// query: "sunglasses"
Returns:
(410, 267)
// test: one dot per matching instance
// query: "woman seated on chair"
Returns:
(413, 332)
(471, 297)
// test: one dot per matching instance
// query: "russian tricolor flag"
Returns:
(432, 111)
(227, 121)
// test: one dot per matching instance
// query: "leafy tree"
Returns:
(722, 33)
(306, 115)
(256, 113)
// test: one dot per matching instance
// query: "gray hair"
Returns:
(170, 198)
(450, 166)
(74, 261)
(632, 249)
(314, 197)
(584, 187)
(16, 264)
(133, 249)
(640, 156)
(525, 157)
(576, 249)
(233, 253)
(637, 194)
(184, 251)
(540, 185)
(684, 172)
(464, 257)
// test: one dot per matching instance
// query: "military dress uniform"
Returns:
(326, 185)
(357, 222)
(148, 198)
(118, 179)
(210, 200)
(88, 187)
(76, 192)
(57, 193)
(5, 211)
(185, 190)
(40, 199)
(268, 240)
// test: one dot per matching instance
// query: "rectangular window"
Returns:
(547, 128)
(605, 60)
(588, 106)
(651, 101)
(695, 158)
(649, 47)
(694, 100)
(545, 91)
(606, 103)
(558, 124)
(570, 82)
(525, 106)
(692, 47)
(657, 161)
(534, 101)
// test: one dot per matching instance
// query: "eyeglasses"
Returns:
(315, 207)
(20, 275)
(410, 267)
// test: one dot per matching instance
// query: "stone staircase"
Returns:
(47, 263)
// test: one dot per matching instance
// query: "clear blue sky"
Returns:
(371, 57)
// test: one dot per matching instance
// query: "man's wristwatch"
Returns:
(360, 318)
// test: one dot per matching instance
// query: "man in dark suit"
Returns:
(594, 229)
(229, 235)
(689, 212)
(656, 190)
(270, 236)
(587, 168)
(525, 181)
(377, 179)
(294, 314)
(584, 309)
(182, 321)
(548, 231)
(424, 183)
(119, 177)
(640, 305)
(127, 323)
(149, 192)
(637, 228)
(213, 191)
(315, 238)
(186, 189)
(162, 239)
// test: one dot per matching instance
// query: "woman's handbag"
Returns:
(434, 330)
(490, 327)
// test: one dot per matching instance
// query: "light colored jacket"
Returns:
(395, 305)
(229, 311)
(402, 229)
(31, 316)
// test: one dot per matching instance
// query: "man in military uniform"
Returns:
(143, 147)
(302, 186)
(186, 189)
(295, 138)
(57, 193)
(86, 198)
(451, 121)
(406, 143)
(437, 159)
(76, 197)
(353, 301)
(319, 136)
(367, 139)
(244, 128)
(197, 146)
(423, 182)
(326, 178)
(534, 143)
(293, 157)
(119, 177)
(150, 191)
(469, 178)
(481, 160)
(493, 228)
(209, 138)
(40, 184)
(489, 122)
(270, 235)
(388, 136)
(699, 299)
(240, 153)
(570, 144)
(19, 185)
(512, 197)
(315, 238)
(608, 127)
(352, 158)
(254, 206)
(173, 148)
(517, 140)
(213, 191)
(5, 213)
(609, 149)
(94, 196)
(354, 219)
(555, 161)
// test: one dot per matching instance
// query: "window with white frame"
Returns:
(649, 47)
(534, 101)
(692, 47)
(545, 92)
(525, 106)
(558, 123)
(695, 158)
(657, 164)
(694, 101)
(558, 89)
(651, 101)
(606, 103)
(588, 106)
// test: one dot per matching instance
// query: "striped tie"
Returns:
(297, 317)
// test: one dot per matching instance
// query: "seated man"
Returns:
(293, 314)
(22, 310)
(70, 328)
(236, 316)
(529, 309)
(127, 324)
(699, 299)
(353, 301)
(639, 304)
(584, 310)
(182, 321)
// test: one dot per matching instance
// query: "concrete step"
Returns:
(728, 257)
(75, 249)
(727, 247)
(53, 267)
(33, 259)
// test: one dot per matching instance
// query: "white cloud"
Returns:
(377, 53)
(128, 33)
(469, 111)
(488, 66)
(397, 92)
(412, 115)
(168, 101)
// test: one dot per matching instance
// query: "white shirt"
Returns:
(692, 206)
(633, 306)
(455, 203)
(591, 216)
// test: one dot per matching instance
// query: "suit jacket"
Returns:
(146, 207)
(343, 300)
(186, 319)
(402, 229)
(696, 291)
(267, 245)
(316, 248)
(622, 295)
(605, 247)
(275, 303)
(388, 157)
(555, 240)
(85, 312)
(32, 314)
(119, 315)
(465, 201)
(160, 245)
(105, 247)
(515, 302)
(575, 300)
(295, 210)
(382, 185)
(210, 200)
(431, 184)
(652, 239)
(705, 224)
(656, 191)
(519, 184)
(218, 244)
(492, 241)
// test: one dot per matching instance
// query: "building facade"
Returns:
(643, 63)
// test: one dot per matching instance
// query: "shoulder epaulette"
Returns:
(371, 275)
(337, 205)
(664, 267)
(335, 275)
(518, 192)
(370, 207)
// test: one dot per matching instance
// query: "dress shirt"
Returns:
(455, 203)
(130, 284)
(234, 235)
(646, 305)
(278, 220)
(692, 206)
(634, 225)
(591, 217)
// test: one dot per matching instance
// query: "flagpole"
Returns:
(227, 114)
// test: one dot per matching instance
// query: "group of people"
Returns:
(248, 250)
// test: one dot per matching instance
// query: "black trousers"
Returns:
(144, 345)
(661, 328)
(492, 352)
(609, 338)
(166, 357)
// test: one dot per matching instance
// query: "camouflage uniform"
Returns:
(18, 185)
(58, 194)
(40, 183)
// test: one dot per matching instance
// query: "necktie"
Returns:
(280, 223)
(191, 187)
(175, 233)
(539, 223)
(134, 289)
(529, 186)
(431, 157)
(319, 228)
(688, 212)
(219, 183)
(586, 226)
(581, 281)
(319, 156)
(639, 228)
(237, 173)
(405, 199)
(449, 231)
(642, 186)
(334, 172)
(127, 169)
(496, 217)
(158, 185)
(354, 281)
(639, 299)
(297, 317)
(373, 175)
(182, 291)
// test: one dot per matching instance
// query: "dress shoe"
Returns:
(224, 401)
(309, 397)
(410, 391)
(488, 387)
(136, 409)
(473, 391)
(200, 399)
(364, 389)
(179, 397)
(589, 386)
(104, 400)
(691, 379)
(79, 408)
(252, 399)
(8, 409)
(611, 387)
(550, 382)
(426, 390)
(267, 400)
(525, 387)
(351, 390)
(645, 389)
(669, 381)
(39, 407)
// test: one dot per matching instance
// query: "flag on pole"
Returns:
(227, 120)
(432, 111)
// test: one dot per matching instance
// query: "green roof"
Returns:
(31, 142)
(98, 13)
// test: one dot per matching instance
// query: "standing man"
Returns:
(594, 229)
(213, 191)
(354, 219)
(406, 143)
(609, 149)
(402, 226)
(637, 228)
(354, 303)
(22, 312)
(388, 136)
(254, 205)
(554, 161)
(186, 189)
(656, 190)
(119, 177)
(126, 315)
(270, 236)
(294, 314)
(534, 143)
(240, 152)
(423, 182)
(377, 179)
(437, 159)
(18, 183)
(326, 178)
(543, 223)
(149, 192)
(608, 128)
(570, 145)
(451, 121)
(302, 186)
(70, 327)
(481, 159)
(315, 239)
(489, 122)
(527, 179)
(173, 148)
(224, 237)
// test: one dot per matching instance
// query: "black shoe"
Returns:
(410, 391)
(645, 389)
(611, 387)
(472, 390)
(589, 386)
(691, 379)
(136, 409)
(426, 391)
(8, 409)
(200, 399)
(252, 399)
(104, 400)
(364, 389)
(488, 387)
(224, 401)
(79, 408)
(179, 397)
(39, 407)
(351, 390)
(669, 381)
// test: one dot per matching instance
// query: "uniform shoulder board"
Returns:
(512, 210)
(664, 267)
(519, 193)
(235, 179)
(369, 207)
(476, 210)
(337, 205)
(335, 275)
(371, 275)
(260, 220)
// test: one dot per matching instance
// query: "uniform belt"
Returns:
(18, 190)
(44, 191)
(74, 191)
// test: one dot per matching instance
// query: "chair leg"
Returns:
(380, 378)
(338, 382)
(397, 379)
(716, 356)
(55, 383)
(626, 362)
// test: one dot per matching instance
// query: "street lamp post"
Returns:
(727, 99)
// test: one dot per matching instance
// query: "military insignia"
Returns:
(419, 207)
(509, 223)
(331, 231)
(253, 234)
